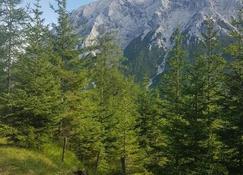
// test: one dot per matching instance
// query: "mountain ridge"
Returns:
(136, 19)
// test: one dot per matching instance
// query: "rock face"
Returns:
(149, 24)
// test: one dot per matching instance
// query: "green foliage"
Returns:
(78, 105)
(172, 89)
(231, 130)
(205, 90)
(13, 19)
(150, 124)
(32, 105)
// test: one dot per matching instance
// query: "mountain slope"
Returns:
(144, 26)
(20, 161)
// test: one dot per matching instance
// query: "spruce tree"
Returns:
(124, 109)
(172, 81)
(71, 74)
(204, 91)
(214, 88)
(116, 112)
(13, 19)
(173, 92)
(3, 39)
(150, 124)
(33, 104)
(12, 25)
(102, 68)
(232, 132)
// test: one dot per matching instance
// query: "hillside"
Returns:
(20, 161)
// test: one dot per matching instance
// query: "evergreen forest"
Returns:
(67, 109)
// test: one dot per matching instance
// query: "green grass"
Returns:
(19, 161)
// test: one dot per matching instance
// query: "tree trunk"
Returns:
(123, 164)
(97, 163)
(64, 148)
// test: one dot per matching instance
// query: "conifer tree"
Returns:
(13, 19)
(3, 38)
(150, 124)
(232, 132)
(106, 85)
(37, 91)
(59, 44)
(130, 154)
(213, 92)
(173, 91)
(205, 89)
(116, 112)
(70, 73)
(172, 81)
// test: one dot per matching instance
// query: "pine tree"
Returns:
(13, 19)
(115, 112)
(173, 91)
(123, 107)
(173, 79)
(37, 91)
(3, 39)
(213, 93)
(232, 132)
(150, 124)
(70, 72)
(102, 68)
(204, 91)
(66, 41)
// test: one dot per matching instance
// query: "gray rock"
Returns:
(132, 18)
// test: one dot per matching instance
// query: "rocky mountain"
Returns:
(144, 27)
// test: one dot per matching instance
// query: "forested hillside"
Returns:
(74, 108)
